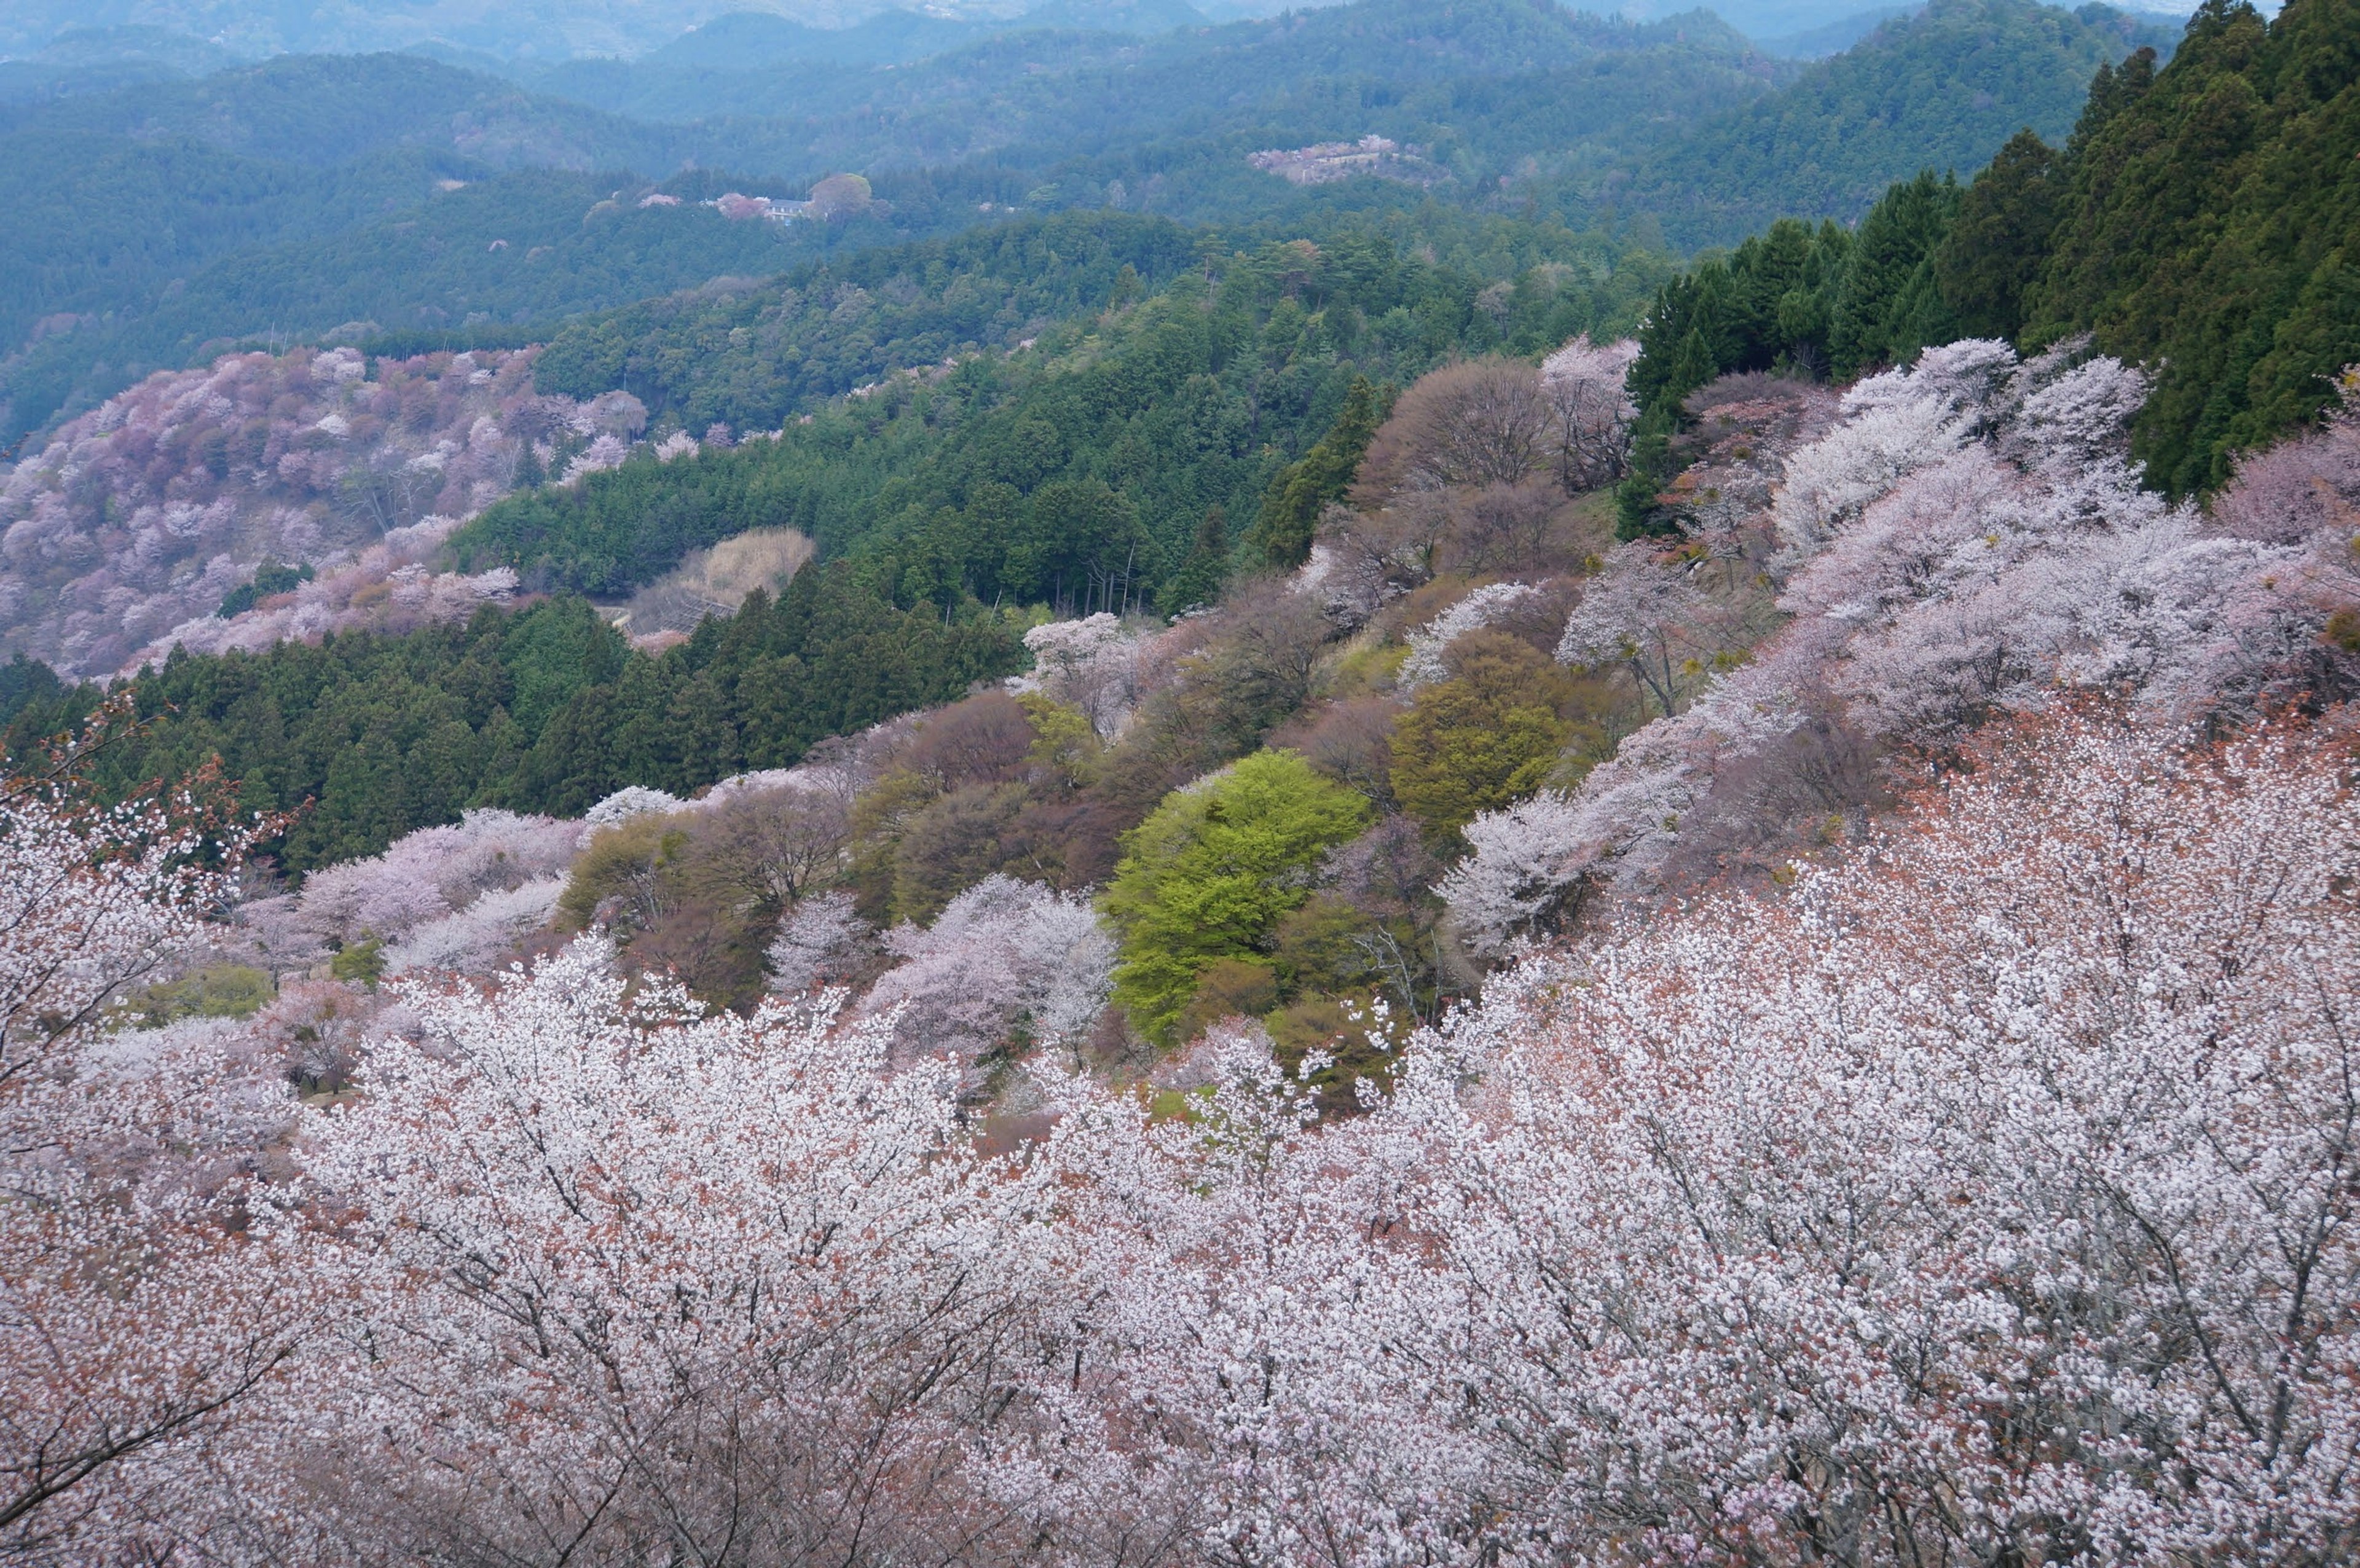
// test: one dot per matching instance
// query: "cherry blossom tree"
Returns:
(423, 879)
(635, 1274)
(1092, 664)
(1003, 954)
(1970, 541)
(1988, 1196)
(1480, 608)
(1592, 412)
(822, 940)
(1986, 1199)
(148, 1290)
(1645, 613)
(132, 524)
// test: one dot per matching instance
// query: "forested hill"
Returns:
(138, 256)
(749, 355)
(1050, 84)
(1942, 89)
(2208, 223)
(2199, 220)
(320, 109)
(1129, 459)
(1090, 457)
(161, 224)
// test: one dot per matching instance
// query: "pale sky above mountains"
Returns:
(556, 29)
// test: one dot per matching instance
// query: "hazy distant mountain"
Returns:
(757, 40)
(542, 31)
(97, 60)
(1832, 38)
(1942, 89)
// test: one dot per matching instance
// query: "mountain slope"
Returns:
(1941, 90)
(327, 109)
(1058, 86)
(531, 244)
(751, 356)
(2212, 226)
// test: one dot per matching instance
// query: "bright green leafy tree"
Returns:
(1213, 871)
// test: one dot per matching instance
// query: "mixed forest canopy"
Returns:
(287, 200)
(2195, 220)
(1173, 810)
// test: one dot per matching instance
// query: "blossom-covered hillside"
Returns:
(149, 510)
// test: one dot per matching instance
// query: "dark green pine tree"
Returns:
(1198, 580)
(704, 735)
(1290, 508)
(1994, 252)
(568, 768)
(1637, 512)
(1887, 310)
(769, 719)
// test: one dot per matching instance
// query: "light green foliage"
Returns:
(1227, 988)
(229, 991)
(1213, 871)
(1488, 737)
(1065, 745)
(637, 861)
(362, 962)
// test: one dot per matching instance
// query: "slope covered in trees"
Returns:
(545, 709)
(1077, 472)
(2206, 226)
(117, 298)
(290, 198)
(1041, 86)
(1941, 89)
(1847, 1138)
(1818, 1032)
(751, 355)
(2195, 222)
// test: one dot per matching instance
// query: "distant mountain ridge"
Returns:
(305, 193)
(320, 110)
(1942, 89)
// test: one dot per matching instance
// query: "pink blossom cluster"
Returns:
(1972, 540)
(1094, 663)
(438, 897)
(1005, 955)
(382, 590)
(149, 1271)
(1988, 1198)
(140, 515)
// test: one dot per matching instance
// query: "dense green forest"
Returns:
(1942, 89)
(163, 222)
(544, 709)
(2210, 223)
(125, 297)
(2199, 221)
(101, 223)
(750, 355)
(1077, 472)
